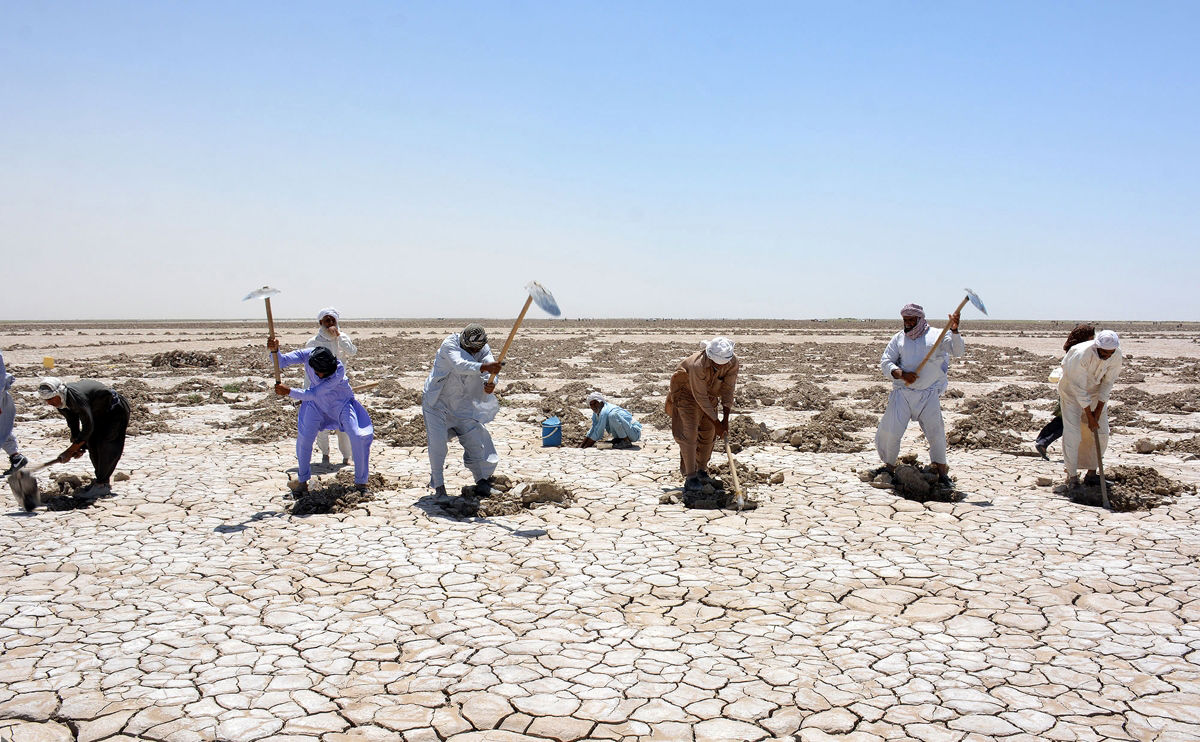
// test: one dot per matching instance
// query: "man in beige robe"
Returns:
(701, 381)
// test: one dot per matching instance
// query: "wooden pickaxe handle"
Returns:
(271, 336)
(941, 335)
(1100, 467)
(511, 335)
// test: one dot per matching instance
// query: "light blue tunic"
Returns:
(615, 420)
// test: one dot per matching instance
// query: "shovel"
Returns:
(739, 500)
(265, 293)
(1100, 468)
(971, 297)
(25, 488)
(544, 299)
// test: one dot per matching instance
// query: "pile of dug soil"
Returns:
(337, 495)
(1015, 393)
(830, 432)
(715, 494)
(271, 418)
(1187, 445)
(744, 432)
(401, 433)
(66, 492)
(987, 424)
(142, 421)
(648, 405)
(1172, 403)
(184, 358)
(397, 396)
(912, 481)
(1133, 488)
(805, 395)
(507, 498)
(196, 392)
(755, 394)
(876, 396)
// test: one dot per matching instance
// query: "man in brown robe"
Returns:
(701, 380)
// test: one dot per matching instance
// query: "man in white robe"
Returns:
(330, 336)
(1089, 371)
(917, 396)
(458, 402)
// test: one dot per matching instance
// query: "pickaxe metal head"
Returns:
(543, 298)
(974, 297)
(266, 292)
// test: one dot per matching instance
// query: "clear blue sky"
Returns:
(661, 159)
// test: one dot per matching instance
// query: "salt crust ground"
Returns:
(191, 607)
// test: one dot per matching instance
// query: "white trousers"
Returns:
(479, 452)
(1079, 446)
(904, 406)
(343, 444)
(8, 416)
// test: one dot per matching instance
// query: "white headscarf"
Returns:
(329, 312)
(719, 350)
(596, 397)
(51, 387)
(1107, 340)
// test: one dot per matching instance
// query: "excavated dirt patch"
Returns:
(716, 493)
(507, 498)
(142, 421)
(1172, 403)
(184, 359)
(830, 432)
(1134, 488)
(338, 495)
(401, 433)
(271, 418)
(745, 432)
(987, 424)
(912, 481)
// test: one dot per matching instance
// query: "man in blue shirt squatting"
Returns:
(457, 402)
(917, 397)
(608, 418)
(327, 404)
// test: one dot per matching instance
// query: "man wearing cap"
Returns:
(8, 416)
(917, 396)
(330, 336)
(611, 419)
(457, 402)
(327, 404)
(98, 417)
(701, 380)
(1089, 371)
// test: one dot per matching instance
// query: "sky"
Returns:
(786, 160)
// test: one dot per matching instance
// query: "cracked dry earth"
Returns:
(191, 606)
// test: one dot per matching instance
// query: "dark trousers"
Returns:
(1052, 432)
(108, 439)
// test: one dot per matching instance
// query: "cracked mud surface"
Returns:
(193, 606)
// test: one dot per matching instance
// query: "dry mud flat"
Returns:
(196, 605)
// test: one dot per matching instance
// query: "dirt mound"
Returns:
(1187, 445)
(515, 387)
(648, 404)
(184, 358)
(1133, 488)
(397, 396)
(830, 432)
(987, 424)
(755, 394)
(1172, 403)
(715, 494)
(196, 392)
(271, 418)
(402, 433)
(1015, 393)
(566, 404)
(142, 420)
(875, 395)
(338, 495)
(507, 498)
(806, 395)
(744, 432)
(912, 481)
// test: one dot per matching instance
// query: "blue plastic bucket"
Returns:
(551, 432)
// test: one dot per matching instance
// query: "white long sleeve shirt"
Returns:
(905, 354)
(1088, 378)
(455, 383)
